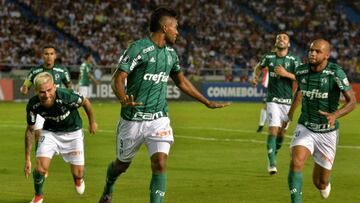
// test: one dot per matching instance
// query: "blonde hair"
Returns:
(42, 78)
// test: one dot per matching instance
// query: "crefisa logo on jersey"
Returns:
(156, 77)
(315, 93)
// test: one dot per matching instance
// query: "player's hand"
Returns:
(24, 90)
(27, 168)
(280, 70)
(254, 82)
(285, 122)
(330, 117)
(215, 105)
(129, 101)
(93, 127)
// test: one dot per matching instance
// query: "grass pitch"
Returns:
(217, 157)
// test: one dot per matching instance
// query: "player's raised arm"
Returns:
(24, 89)
(29, 138)
(257, 71)
(185, 85)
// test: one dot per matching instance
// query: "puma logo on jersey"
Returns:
(152, 60)
(156, 77)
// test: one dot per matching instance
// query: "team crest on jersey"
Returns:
(57, 76)
(323, 81)
(287, 64)
(125, 59)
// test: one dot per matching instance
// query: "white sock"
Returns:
(262, 117)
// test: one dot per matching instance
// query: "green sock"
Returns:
(111, 177)
(38, 182)
(295, 182)
(271, 147)
(279, 141)
(157, 188)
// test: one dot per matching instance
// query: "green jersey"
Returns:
(149, 67)
(59, 73)
(279, 88)
(320, 91)
(63, 116)
(85, 70)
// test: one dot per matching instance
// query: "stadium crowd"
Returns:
(21, 39)
(215, 35)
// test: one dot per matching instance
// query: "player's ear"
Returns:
(164, 28)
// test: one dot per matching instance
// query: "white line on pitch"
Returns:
(207, 138)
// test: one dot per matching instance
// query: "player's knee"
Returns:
(158, 162)
(297, 163)
(120, 167)
(40, 170)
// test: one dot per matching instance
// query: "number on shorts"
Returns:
(41, 139)
(121, 151)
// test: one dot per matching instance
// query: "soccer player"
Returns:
(86, 76)
(147, 65)
(320, 83)
(60, 75)
(281, 65)
(62, 132)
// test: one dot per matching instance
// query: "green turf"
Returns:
(216, 157)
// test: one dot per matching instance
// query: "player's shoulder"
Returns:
(302, 69)
(334, 69)
(64, 91)
(59, 68)
(292, 56)
(36, 69)
(142, 46)
(269, 55)
(33, 103)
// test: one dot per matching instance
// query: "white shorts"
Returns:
(70, 145)
(39, 123)
(85, 91)
(157, 135)
(276, 113)
(321, 145)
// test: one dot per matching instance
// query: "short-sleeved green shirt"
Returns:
(85, 69)
(279, 88)
(63, 116)
(148, 67)
(320, 91)
(59, 73)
